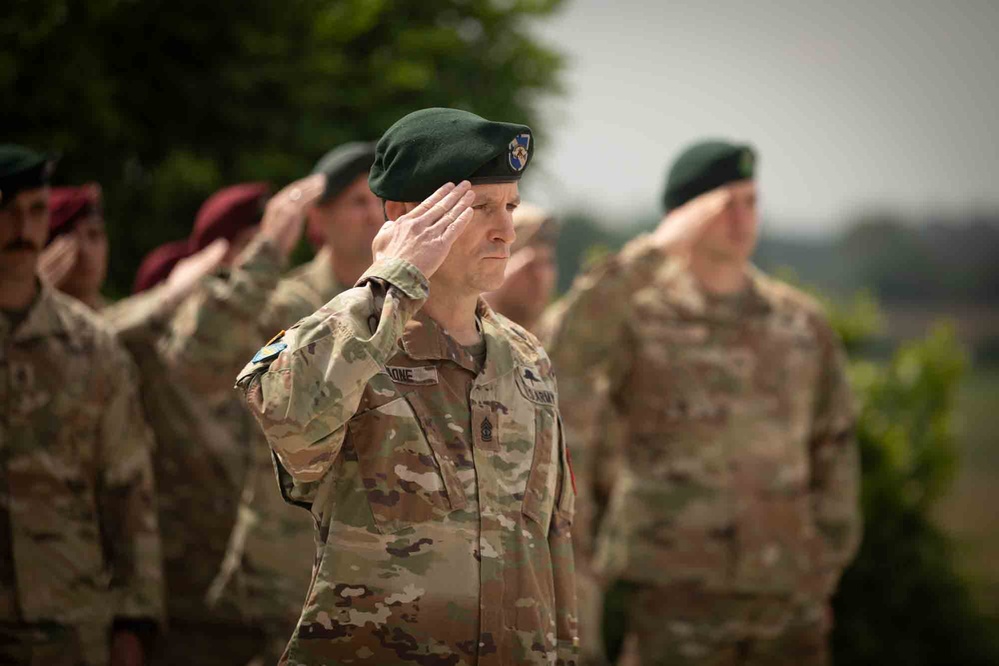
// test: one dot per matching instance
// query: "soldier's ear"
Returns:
(395, 209)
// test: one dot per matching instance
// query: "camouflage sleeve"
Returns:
(835, 464)
(139, 318)
(127, 502)
(305, 387)
(217, 328)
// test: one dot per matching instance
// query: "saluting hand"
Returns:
(683, 227)
(424, 235)
(189, 270)
(57, 260)
(284, 216)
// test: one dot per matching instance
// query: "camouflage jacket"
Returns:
(442, 496)
(199, 465)
(80, 544)
(740, 469)
(269, 557)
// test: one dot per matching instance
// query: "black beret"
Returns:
(343, 164)
(22, 169)
(704, 166)
(431, 147)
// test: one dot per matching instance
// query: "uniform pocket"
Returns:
(542, 482)
(399, 470)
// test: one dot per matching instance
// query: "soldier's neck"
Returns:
(348, 269)
(455, 312)
(16, 294)
(719, 276)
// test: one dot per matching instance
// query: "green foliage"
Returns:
(164, 102)
(902, 600)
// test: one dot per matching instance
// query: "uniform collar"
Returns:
(45, 318)
(318, 273)
(423, 339)
(686, 293)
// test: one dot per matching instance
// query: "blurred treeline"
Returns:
(163, 102)
(903, 600)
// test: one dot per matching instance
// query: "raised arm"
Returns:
(305, 386)
(219, 325)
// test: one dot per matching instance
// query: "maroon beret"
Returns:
(69, 205)
(156, 265)
(227, 212)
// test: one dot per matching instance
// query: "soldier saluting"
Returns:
(443, 497)
(736, 507)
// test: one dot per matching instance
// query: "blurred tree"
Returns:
(902, 600)
(163, 102)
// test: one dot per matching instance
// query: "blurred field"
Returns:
(970, 512)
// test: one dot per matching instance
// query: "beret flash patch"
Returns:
(746, 161)
(518, 153)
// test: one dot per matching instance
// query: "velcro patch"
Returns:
(422, 376)
(533, 387)
(267, 352)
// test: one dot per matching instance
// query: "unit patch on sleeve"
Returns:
(534, 387)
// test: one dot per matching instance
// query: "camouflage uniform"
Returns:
(268, 563)
(441, 492)
(736, 507)
(80, 546)
(200, 468)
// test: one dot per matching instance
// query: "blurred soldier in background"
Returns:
(199, 465)
(76, 259)
(423, 433)
(158, 264)
(200, 470)
(532, 271)
(268, 564)
(736, 508)
(79, 545)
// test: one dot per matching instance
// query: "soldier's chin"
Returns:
(490, 280)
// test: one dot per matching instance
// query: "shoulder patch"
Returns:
(534, 387)
(268, 352)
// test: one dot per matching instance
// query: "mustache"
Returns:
(20, 244)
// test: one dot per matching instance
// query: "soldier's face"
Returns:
(478, 257)
(24, 228)
(350, 220)
(733, 236)
(90, 269)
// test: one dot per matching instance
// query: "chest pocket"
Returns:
(406, 473)
(546, 482)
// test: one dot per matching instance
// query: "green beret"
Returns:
(343, 164)
(431, 147)
(704, 166)
(22, 169)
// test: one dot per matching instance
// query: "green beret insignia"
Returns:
(746, 163)
(430, 147)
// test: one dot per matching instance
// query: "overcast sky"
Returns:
(850, 103)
